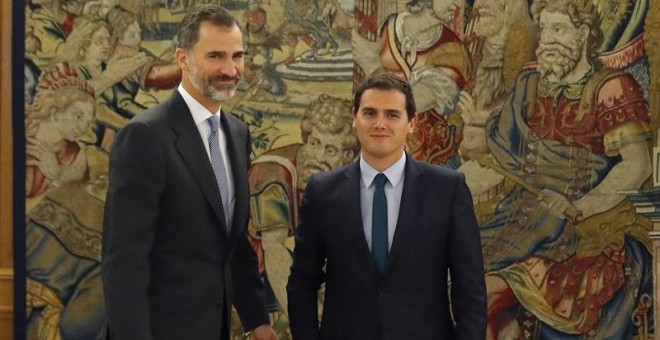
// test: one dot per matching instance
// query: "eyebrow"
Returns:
(387, 111)
(240, 52)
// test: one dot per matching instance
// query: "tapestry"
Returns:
(543, 105)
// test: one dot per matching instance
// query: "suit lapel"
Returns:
(238, 159)
(191, 148)
(410, 202)
(354, 213)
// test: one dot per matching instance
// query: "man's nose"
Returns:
(380, 121)
(546, 36)
(229, 68)
(319, 155)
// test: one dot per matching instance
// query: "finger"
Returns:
(34, 151)
(34, 141)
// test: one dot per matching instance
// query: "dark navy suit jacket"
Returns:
(436, 233)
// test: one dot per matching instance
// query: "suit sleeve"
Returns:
(468, 288)
(136, 181)
(306, 272)
(249, 293)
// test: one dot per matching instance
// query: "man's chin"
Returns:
(222, 95)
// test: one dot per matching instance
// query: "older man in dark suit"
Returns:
(383, 233)
(176, 253)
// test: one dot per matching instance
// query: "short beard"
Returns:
(563, 62)
(205, 87)
(210, 92)
(307, 165)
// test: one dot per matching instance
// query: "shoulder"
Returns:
(150, 123)
(153, 117)
(434, 172)
(333, 179)
(619, 84)
(235, 120)
(160, 112)
(388, 21)
(438, 170)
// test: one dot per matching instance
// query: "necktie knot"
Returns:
(214, 122)
(380, 180)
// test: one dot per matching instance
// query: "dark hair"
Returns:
(386, 81)
(189, 27)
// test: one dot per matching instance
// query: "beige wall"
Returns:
(6, 255)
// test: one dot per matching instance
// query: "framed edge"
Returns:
(18, 139)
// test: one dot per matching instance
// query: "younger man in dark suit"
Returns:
(175, 249)
(383, 233)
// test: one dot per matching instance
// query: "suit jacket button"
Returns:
(220, 302)
(382, 292)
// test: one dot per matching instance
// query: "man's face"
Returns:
(99, 47)
(214, 66)
(445, 10)
(561, 44)
(73, 121)
(491, 17)
(132, 35)
(323, 151)
(382, 125)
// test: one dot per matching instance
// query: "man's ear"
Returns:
(349, 155)
(584, 31)
(181, 58)
(412, 123)
(354, 116)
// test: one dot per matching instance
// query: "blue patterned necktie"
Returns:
(218, 164)
(379, 224)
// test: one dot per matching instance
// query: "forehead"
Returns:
(440, 4)
(78, 105)
(327, 137)
(554, 18)
(219, 38)
(391, 99)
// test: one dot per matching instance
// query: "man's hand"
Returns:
(555, 202)
(263, 332)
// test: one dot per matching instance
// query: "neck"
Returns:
(381, 164)
(93, 66)
(211, 105)
(580, 70)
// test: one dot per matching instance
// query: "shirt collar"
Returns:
(394, 173)
(199, 113)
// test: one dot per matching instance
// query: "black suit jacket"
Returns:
(436, 232)
(170, 271)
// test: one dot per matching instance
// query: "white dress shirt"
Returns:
(200, 115)
(393, 190)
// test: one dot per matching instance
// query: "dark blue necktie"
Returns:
(379, 224)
